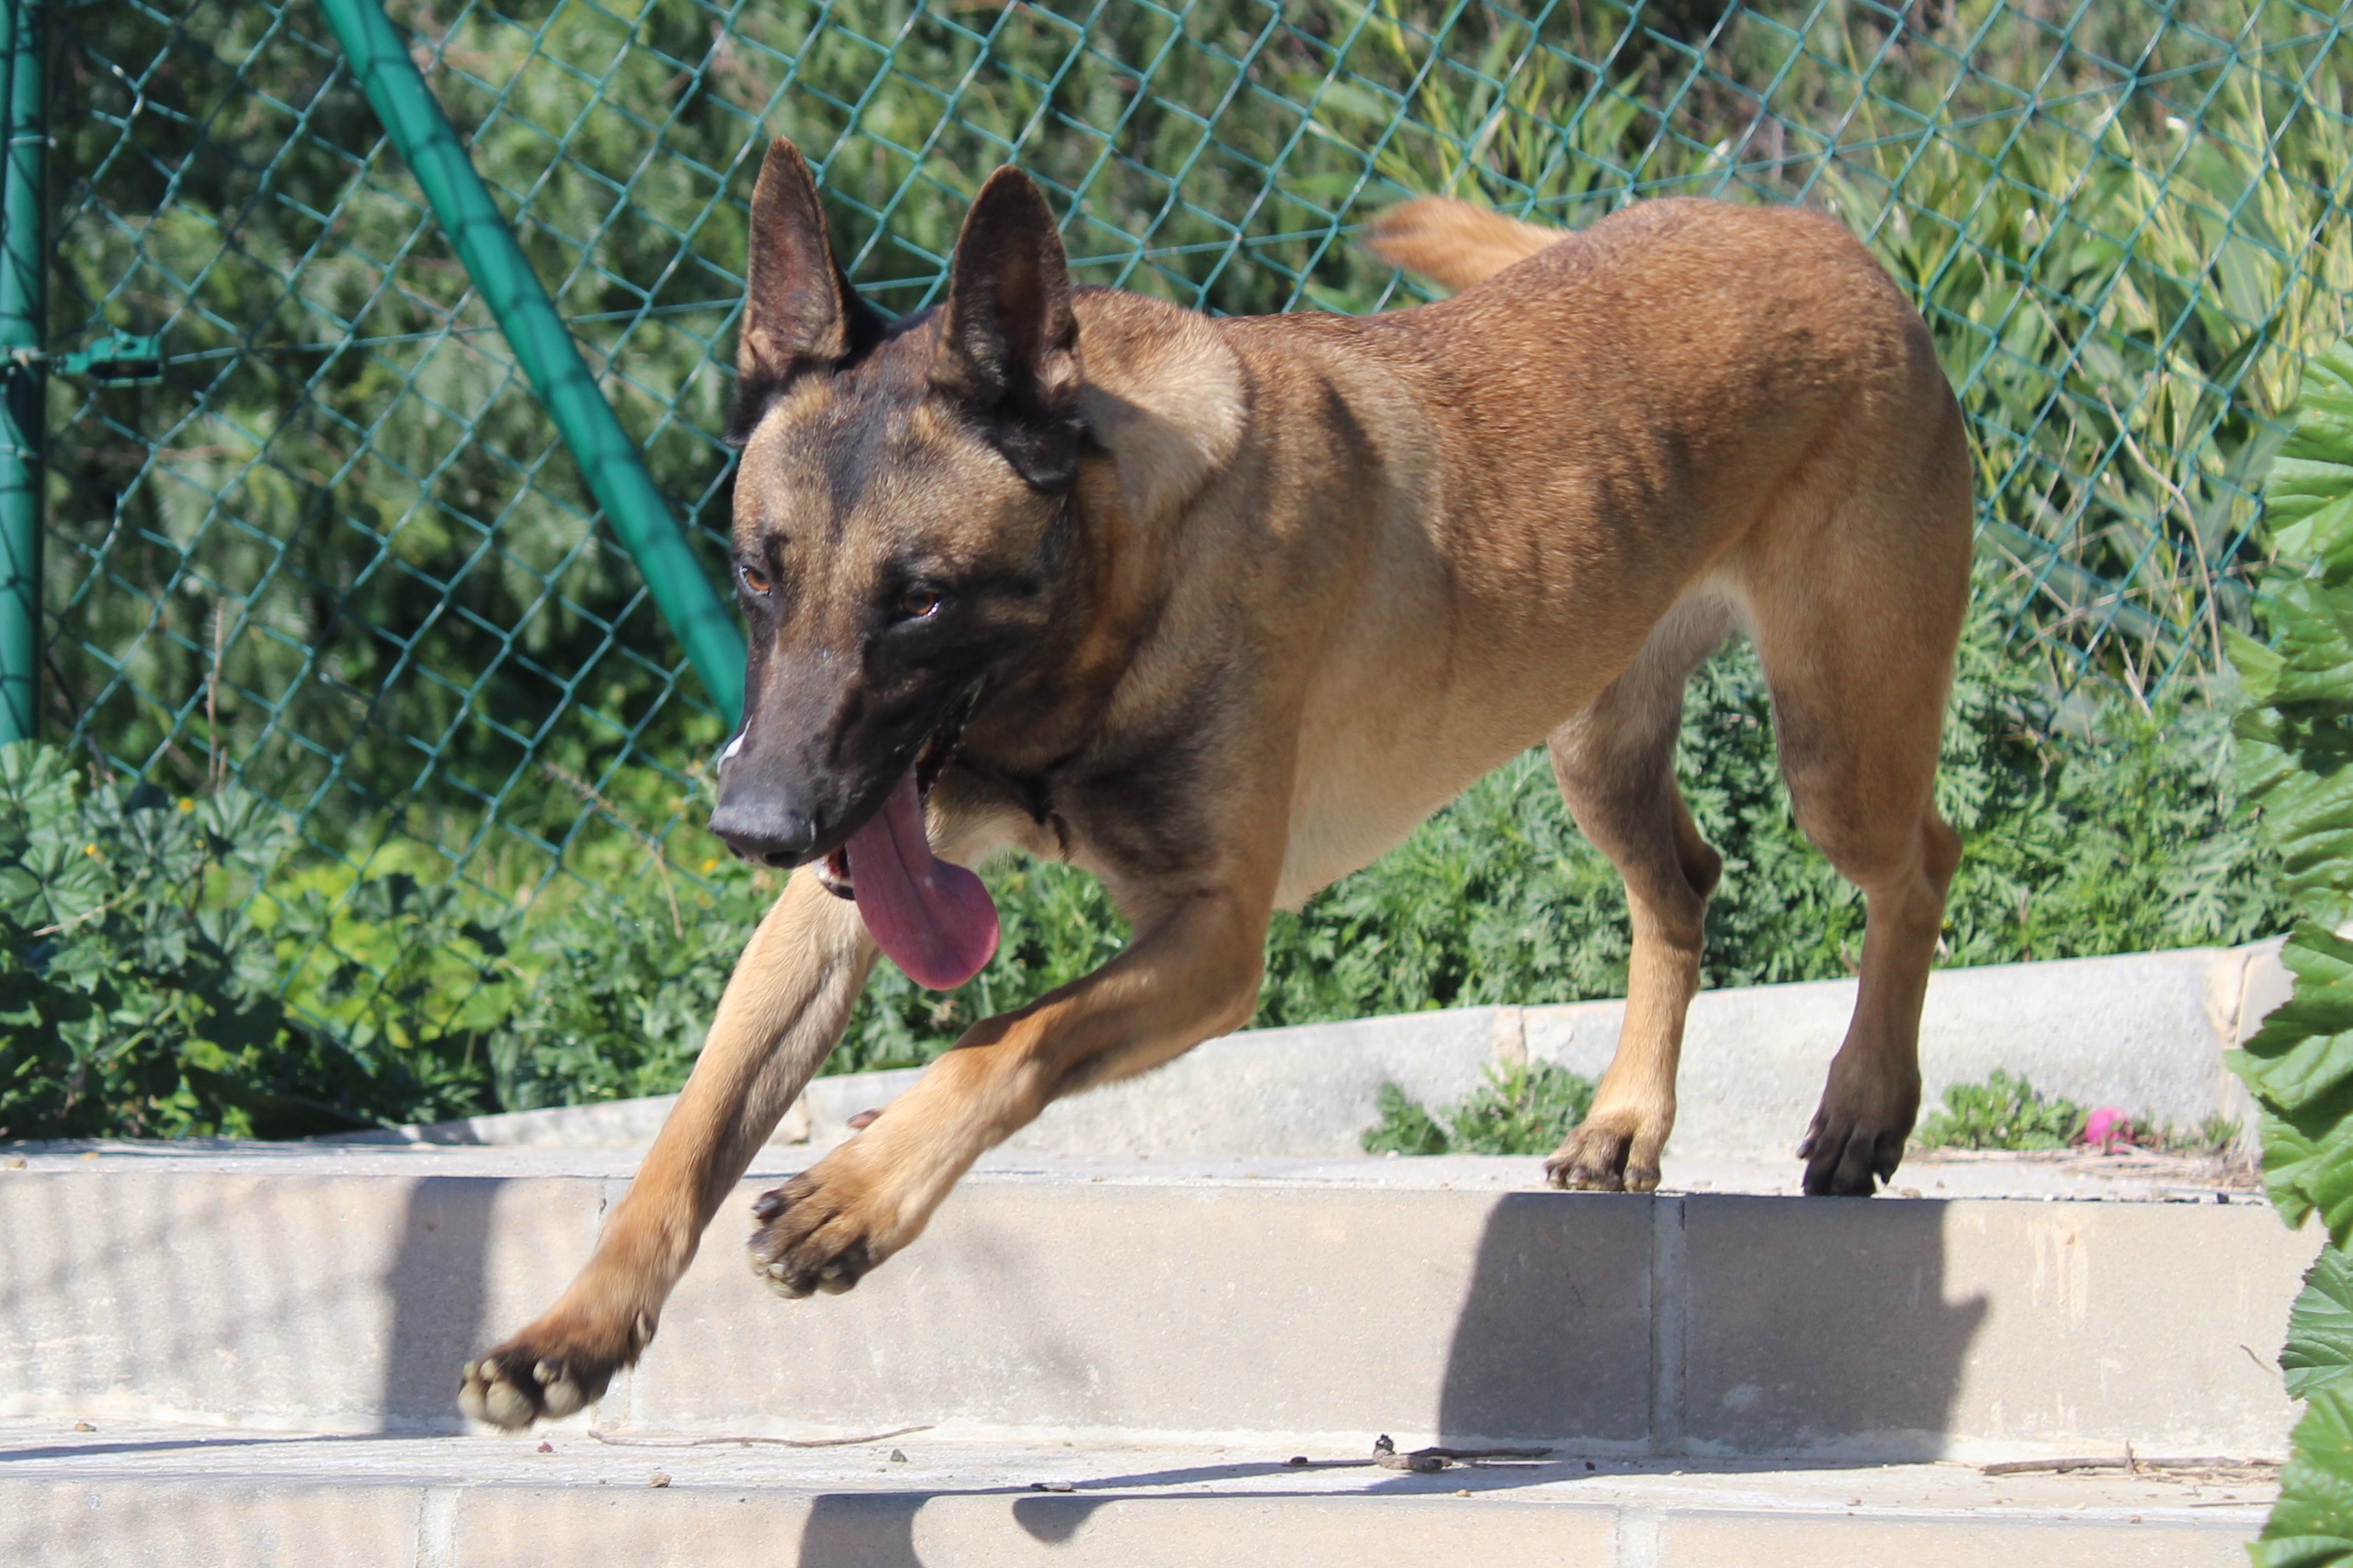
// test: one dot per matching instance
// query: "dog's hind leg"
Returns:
(1615, 762)
(1855, 610)
(784, 1009)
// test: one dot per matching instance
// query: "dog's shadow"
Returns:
(1824, 1332)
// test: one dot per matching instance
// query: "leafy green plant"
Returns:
(336, 548)
(2311, 1526)
(2295, 742)
(1404, 1128)
(2005, 1112)
(2214, 1137)
(1521, 1109)
(138, 987)
(2091, 829)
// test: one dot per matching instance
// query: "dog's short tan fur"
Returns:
(1320, 574)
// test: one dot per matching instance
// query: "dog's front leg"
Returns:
(1192, 973)
(784, 1009)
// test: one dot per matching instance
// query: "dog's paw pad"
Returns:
(514, 1385)
(557, 1392)
(808, 1243)
(489, 1393)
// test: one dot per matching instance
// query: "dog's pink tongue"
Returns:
(935, 921)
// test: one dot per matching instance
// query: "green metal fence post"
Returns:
(609, 460)
(24, 311)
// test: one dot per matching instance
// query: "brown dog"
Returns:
(1221, 609)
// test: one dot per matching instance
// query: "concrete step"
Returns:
(1161, 1293)
(2142, 1032)
(1177, 1302)
(133, 1496)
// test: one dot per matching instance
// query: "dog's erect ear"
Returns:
(800, 314)
(1008, 344)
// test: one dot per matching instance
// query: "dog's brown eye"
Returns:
(755, 580)
(916, 603)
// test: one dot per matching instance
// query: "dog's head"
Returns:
(903, 533)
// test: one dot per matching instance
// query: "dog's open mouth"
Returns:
(931, 761)
(934, 919)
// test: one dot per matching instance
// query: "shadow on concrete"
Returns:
(1822, 1341)
(1054, 1519)
(169, 1445)
(853, 1530)
(1841, 1337)
(438, 1282)
(1538, 1356)
(1833, 1339)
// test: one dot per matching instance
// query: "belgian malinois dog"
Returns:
(1221, 609)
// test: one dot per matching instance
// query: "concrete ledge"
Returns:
(158, 1496)
(178, 1286)
(2144, 1032)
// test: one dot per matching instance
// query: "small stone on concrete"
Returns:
(658, 1478)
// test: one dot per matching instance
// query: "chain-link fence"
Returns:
(321, 539)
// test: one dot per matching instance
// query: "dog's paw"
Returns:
(1607, 1154)
(1846, 1158)
(823, 1230)
(545, 1374)
(1856, 1140)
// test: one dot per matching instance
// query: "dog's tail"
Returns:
(1454, 242)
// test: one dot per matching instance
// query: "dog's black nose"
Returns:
(763, 830)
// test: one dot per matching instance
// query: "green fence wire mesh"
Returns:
(331, 549)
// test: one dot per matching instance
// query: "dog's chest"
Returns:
(1355, 801)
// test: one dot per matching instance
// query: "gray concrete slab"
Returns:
(2143, 1032)
(122, 1495)
(1833, 1326)
(340, 1290)
(2122, 1176)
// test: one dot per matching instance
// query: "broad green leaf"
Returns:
(2323, 538)
(2311, 1159)
(2259, 667)
(2311, 1526)
(2289, 1156)
(2315, 464)
(2296, 764)
(2319, 1348)
(2304, 1051)
(37, 788)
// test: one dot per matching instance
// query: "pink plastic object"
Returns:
(2107, 1127)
